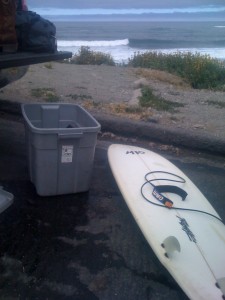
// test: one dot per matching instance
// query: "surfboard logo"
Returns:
(135, 152)
(187, 230)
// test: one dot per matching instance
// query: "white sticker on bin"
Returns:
(67, 154)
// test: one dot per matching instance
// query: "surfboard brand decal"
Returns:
(185, 228)
(135, 152)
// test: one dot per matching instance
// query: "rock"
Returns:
(135, 98)
(140, 83)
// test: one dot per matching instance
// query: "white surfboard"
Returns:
(189, 237)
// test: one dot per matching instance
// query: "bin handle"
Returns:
(77, 135)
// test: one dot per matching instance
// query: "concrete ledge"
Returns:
(161, 134)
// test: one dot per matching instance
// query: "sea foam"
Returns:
(63, 43)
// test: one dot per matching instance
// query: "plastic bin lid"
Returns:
(6, 199)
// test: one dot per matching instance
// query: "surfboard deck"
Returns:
(190, 244)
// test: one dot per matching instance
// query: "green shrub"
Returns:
(201, 71)
(86, 56)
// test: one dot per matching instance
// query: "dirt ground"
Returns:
(108, 89)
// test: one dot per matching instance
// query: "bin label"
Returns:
(67, 154)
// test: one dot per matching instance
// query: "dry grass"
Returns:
(134, 112)
(163, 76)
(47, 94)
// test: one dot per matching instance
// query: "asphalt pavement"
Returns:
(87, 245)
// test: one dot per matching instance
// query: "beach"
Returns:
(110, 90)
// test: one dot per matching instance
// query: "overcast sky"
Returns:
(150, 9)
(124, 3)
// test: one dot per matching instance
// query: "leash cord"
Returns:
(173, 207)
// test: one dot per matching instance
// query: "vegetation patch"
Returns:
(47, 94)
(216, 103)
(48, 65)
(79, 96)
(86, 56)
(197, 70)
(163, 76)
(201, 71)
(134, 112)
(148, 99)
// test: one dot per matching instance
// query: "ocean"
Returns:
(122, 39)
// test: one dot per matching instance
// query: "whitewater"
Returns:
(123, 39)
(121, 51)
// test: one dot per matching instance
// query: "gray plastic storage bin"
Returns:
(61, 140)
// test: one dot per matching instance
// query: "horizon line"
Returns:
(131, 11)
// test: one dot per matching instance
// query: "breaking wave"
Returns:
(63, 43)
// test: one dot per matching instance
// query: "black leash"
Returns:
(166, 202)
(159, 189)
